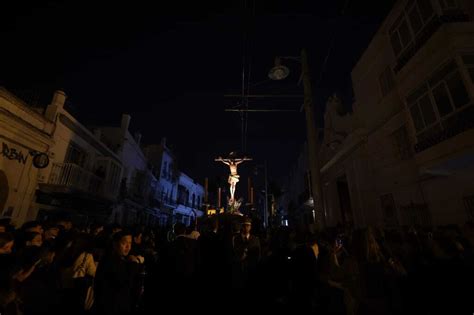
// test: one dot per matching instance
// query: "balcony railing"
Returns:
(75, 177)
(453, 126)
(170, 202)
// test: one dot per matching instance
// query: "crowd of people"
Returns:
(231, 264)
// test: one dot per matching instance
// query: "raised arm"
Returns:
(220, 159)
(242, 160)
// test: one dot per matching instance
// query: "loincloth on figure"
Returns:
(233, 179)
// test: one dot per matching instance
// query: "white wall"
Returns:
(21, 130)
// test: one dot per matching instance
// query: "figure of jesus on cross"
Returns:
(232, 161)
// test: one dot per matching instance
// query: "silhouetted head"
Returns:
(6, 243)
(122, 243)
(179, 228)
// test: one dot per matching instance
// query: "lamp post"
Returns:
(265, 209)
(265, 216)
(280, 72)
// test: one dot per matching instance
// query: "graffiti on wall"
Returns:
(40, 160)
(13, 154)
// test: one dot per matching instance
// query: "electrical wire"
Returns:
(248, 88)
(244, 96)
(331, 45)
(243, 100)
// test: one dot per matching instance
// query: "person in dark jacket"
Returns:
(305, 276)
(247, 254)
(180, 264)
(116, 278)
(183, 256)
(212, 254)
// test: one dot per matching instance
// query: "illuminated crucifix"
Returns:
(232, 161)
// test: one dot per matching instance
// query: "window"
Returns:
(404, 32)
(182, 197)
(415, 19)
(448, 4)
(400, 37)
(138, 182)
(75, 154)
(469, 63)
(193, 202)
(410, 23)
(422, 111)
(386, 81)
(417, 118)
(425, 9)
(441, 97)
(426, 108)
(438, 101)
(165, 170)
(114, 177)
(416, 214)
(458, 92)
(402, 143)
(395, 41)
(389, 209)
(469, 204)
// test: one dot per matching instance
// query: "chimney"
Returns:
(125, 123)
(57, 104)
(138, 137)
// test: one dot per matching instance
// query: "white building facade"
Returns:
(26, 143)
(138, 186)
(164, 164)
(405, 156)
(190, 200)
(83, 177)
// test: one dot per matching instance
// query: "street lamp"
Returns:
(279, 72)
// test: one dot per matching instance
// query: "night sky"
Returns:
(169, 67)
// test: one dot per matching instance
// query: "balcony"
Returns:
(449, 150)
(422, 38)
(167, 202)
(170, 202)
(72, 177)
(453, 126)
(186, 209)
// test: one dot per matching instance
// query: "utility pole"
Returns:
(265, 215)
(312, 134)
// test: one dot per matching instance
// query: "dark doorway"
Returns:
(344, 201)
